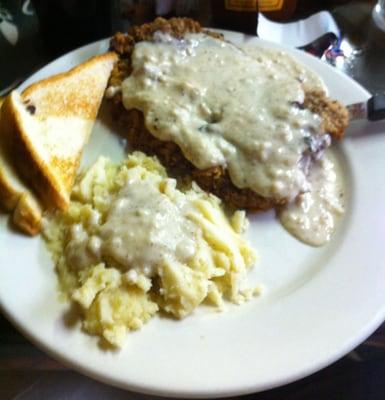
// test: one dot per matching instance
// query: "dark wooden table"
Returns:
(26, 373)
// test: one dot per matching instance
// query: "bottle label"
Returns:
(270, 5)
(241, 5)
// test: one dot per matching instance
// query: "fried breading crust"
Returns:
(215, 180)
(335, 117)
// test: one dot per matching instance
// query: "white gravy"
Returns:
(224, 107)
(273, 59)
(240, 108)
(143, 227)
(312, 216)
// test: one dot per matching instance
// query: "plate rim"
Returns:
(66, 360)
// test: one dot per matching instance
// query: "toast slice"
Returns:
(51, 122)
(42, 135)
(14, 193)
(15, 196)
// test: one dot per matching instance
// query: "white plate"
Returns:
(318, 305)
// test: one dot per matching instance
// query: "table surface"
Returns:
(27, 373)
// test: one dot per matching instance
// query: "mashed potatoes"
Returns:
(131, 244)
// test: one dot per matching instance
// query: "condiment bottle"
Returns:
(236, 15)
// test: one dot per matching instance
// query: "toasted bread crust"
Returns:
(10, 191)
(58, 96)
(62, 96)
(215, 180)
(73, 94)
(8, 195)
(31, 166)
(27, 215)
(14, 196)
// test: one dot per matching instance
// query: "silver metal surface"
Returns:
(379, 14)
(358, 111)
(363, 45)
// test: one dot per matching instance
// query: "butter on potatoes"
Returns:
(131, 244)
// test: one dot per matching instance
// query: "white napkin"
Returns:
(299, 33)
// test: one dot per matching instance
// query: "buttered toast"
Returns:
(54, 119)
(42, 135)
(15, 196)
